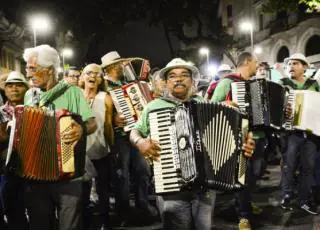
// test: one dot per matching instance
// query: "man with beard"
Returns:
(46, 199)
(192, 207)
(15, 87)
(299, 143)
(112, 66)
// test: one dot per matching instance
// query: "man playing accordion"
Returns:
(46, 199)
(190, 208)
(299, 143)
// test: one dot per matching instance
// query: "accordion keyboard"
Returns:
(166, 170)
(289, 122)
(123, 106)
(66, 149)
(238, 91)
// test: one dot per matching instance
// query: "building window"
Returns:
(7, 59)
(282, 53)
(229, 11)
(312, 46)
(229, 16)
(260, 21)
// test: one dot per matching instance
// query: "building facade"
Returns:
(276, 36)
(13, 40)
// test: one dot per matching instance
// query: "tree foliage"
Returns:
(290, 5)
(193, 22)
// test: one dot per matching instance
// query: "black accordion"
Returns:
(263, 101)
(196, 134)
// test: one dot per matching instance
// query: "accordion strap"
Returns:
(233, 77)
(54, 93)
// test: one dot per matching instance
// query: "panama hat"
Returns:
(110, 58)
(297, 56)
(179, 63)
(224, 67)
(16, 77)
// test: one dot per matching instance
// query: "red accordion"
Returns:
(136, 69)
(36, 141)
(129, 100)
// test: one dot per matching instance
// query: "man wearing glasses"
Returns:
(46, 199)
(72, 75)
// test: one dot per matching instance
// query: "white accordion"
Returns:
(305, 107)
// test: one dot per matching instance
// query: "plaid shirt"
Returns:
(6, 113)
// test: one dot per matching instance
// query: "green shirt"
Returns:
(220, 95)
(65, 96)
(222, 90)
(143, 123)
(71, 99)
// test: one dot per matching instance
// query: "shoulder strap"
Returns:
(288, 82)
(211, 89)
(309, 82)
(233, 78)
(213, 86)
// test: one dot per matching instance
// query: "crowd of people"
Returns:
(113, 156)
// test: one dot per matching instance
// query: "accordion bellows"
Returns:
(200, 142)
(36, 141)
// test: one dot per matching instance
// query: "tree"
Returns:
(290, 5)
(193, 22)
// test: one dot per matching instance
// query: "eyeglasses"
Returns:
(93, 73)
(34, 69)
(175, 77)
(74, 76)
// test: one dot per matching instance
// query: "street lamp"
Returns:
(212, 70)
(205, 51)
(248, 26)
(38, 22)
(66, 53)
(257, 50)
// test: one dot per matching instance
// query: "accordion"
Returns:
(36, 147)
(136, 69)
(305, 106)
(129, 100)
(263, 101)
(196, 134)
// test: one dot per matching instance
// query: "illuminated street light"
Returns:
(248, 26)
(212, 70)
(257, 50)
(39, 23)
(66, 53)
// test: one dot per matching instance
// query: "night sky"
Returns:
(99, 22)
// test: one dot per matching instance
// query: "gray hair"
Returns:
(46, 56)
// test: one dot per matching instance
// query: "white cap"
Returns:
(224, 67)
(179, 63)
(297, 56)
(16, 77)
(110, 58)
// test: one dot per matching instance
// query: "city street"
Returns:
(267, 197)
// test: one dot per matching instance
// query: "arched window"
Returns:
(282, 53)
(313, 45)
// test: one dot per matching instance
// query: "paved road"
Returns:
(267, 196)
